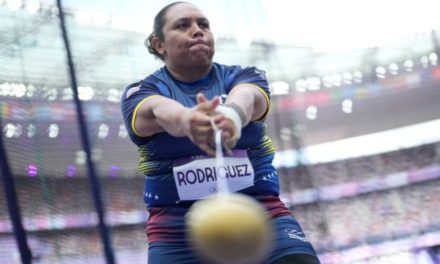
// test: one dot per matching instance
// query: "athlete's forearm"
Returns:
(160, 114)
(251, 101)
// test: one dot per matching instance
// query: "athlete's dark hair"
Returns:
(159, 22)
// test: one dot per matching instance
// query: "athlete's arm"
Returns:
(252, 104)
(251, 99)
(161, 114)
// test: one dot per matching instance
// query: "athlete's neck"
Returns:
(189, 74)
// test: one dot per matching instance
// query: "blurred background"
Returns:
(355, 119)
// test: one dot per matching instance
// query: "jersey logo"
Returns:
(132, 90)
(296, 234)
(223, 98)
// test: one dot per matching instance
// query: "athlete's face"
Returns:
(188, 41)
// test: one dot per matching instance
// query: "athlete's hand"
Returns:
(229, 130)
(196, 123)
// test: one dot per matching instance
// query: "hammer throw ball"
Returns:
(229, 229)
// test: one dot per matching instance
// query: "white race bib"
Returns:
(197, 179)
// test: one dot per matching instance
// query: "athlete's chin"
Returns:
(202, 60)
(201, 51)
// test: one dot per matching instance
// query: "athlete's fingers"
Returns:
(201, 98)
(215, 101)
(229, 131)
(200, 119)
(202, 132)
(226, 135)
(204, 144)
(217, 117)
(201, 135)
(207, 149)
(227, 126)
(226, 123)
(205, 105)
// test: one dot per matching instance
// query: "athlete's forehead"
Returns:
(184, 11)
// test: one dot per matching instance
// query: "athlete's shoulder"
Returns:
(239, 69)
(156, 77)
(149, 83)
(131, 89)
(227, 72)
(227, 68)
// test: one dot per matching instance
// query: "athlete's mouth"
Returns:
(199, 42)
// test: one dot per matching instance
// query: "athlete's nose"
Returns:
(197, 30)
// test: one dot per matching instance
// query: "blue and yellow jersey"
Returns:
(159, 152)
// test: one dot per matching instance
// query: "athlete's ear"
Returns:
(158, 45)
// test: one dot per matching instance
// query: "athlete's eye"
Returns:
(182, 26)
(204, 25)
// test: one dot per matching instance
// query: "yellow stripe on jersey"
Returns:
(268, 145)
(136, 109)
(144, 163)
